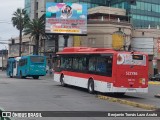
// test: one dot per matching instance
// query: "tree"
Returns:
(36, 28)
(19, 19)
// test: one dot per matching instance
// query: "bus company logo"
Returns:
(131, 73)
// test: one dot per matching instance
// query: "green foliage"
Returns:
(20, 18)
(35, 27)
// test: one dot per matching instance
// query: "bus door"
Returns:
(15, 67)
(12, 63)
(132, 71)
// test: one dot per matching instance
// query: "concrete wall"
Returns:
(27, 47)
(107, 10)
(150, 33)
(100, 34)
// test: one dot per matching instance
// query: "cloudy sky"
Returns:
(7, 8)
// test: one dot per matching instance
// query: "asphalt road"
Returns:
(46, 95)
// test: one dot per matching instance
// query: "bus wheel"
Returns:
(35, 77)
(21, 75)
(62, 81)
(91, 86)
(10, 75)
(119, 94)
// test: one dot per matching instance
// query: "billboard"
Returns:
(66, 18)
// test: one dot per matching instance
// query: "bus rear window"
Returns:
(37, 59)
(137, 57)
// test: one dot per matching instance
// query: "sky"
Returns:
(7, 31)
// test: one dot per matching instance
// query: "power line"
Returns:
(5, 22)
(4, 40)
(3, 43)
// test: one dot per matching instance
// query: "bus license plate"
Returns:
(131, 90)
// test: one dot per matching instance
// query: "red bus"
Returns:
(102, 69)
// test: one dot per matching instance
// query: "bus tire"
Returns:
(62, 81)
(10, 75)
(35, 77)
(21, 75)
(91, 86)
(119, 94)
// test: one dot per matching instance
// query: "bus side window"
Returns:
(62, 62)
(92, 64)
(75, 63)
(101, 65)
(109, 66)
(82, 64)
(22, 62)
(68, 63)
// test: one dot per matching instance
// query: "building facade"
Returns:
(90, 3)
(3, 59)
(104, 22)
(26, 47)
(143, 13)
(108, 28)
(28, 7)
(148, 41)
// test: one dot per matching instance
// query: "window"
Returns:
(22, 62)
(75, 63)
(101, 65)
(92, 64)
(37, 59)
(66, 62)
(82, 63)
(149, 7)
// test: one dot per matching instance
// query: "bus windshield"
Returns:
(37, 59)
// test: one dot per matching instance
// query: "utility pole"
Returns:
(65, 40)
(2, 60)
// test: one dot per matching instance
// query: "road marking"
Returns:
(127, 102)
(154, 83)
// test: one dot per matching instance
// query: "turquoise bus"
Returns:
(27, 66)
(31, 66)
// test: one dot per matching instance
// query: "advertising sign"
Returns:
(129, 59)
(66, 18)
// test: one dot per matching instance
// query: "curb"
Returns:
(126, 102)
(154, 83)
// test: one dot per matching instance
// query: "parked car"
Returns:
(155, 77)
